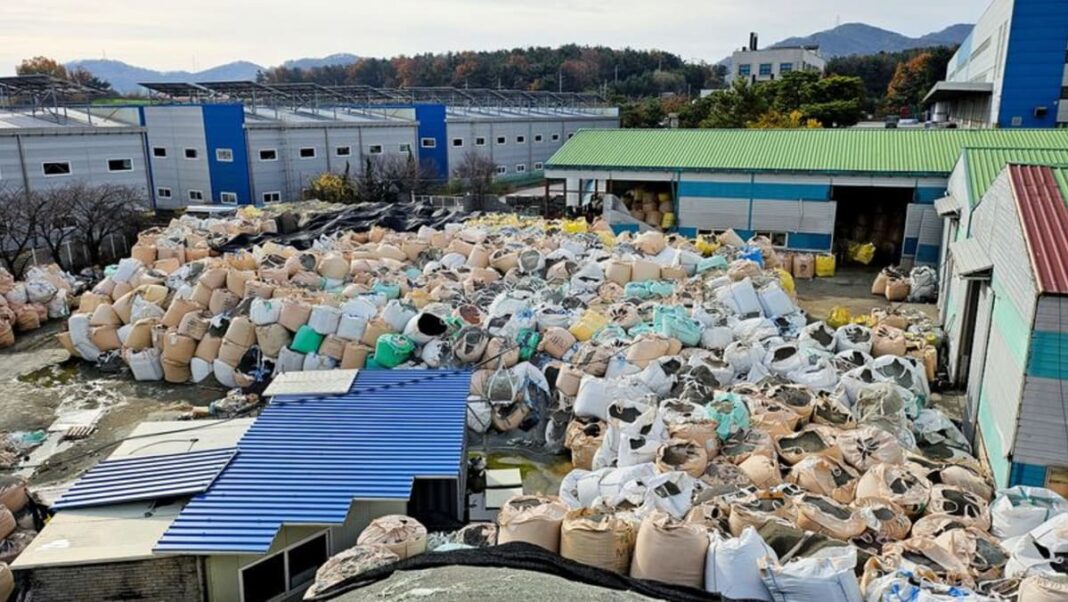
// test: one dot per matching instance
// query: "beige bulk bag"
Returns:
(222, 300)
(740, 446)
(104, 315)
(89, 302)
(332, 347)
(964, 506)
(884, 517)
(942, 564)
(533, 519)
(673, 272)
(376, 327)
(121, 288)
(650, 243)
(897, 289)
(682, 456)
(568, 379)
(194, 325)
(7, 338)
(174, 314)
(625, 315)
(825, 476)
(272, 338)
(670, 550)
(176, 372)
(460, 246)
(140, 336)
(167, 266)
(596, 539)
(479, 257)
(178, 348)
(503, 260)
(584, 440)
(648, 348)
(275, 275)
(27, 318)
(823, 515)
(811, 441)
(202, 294)
(730, 238)
(557, 341)
(300, 262)
(242, 260)
(402, 535)
(762, 471)
(231, 353)
(387, 251)
(241, 332)
(887, 340)
(413, 247)
(167, 252)
(7, 522)
(1045, 587)
(123, 306)
(897, 484)
(208, 348)
(105, 338)
(307, 280)
(867, 446)
(13, 493)
(213, 278)
(701, 432)
(153, 293)
(295, 313)
(355, 356)
(145, 253)
(642, 270)
(236, 279)
(500, 352)
(804, 266)
(103, 288)
(878, 286)
(197, 253)
(333, 266)
(618, 271)
(254, 289)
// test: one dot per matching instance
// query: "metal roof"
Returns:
(855, 150)
(946, 90)
(146, 478)
(985, 164)
(1040, 194)
(970, 258)
(947, 205)
(306, 459)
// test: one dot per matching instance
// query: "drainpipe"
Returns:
(22, 164)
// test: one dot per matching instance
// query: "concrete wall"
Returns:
(166, 578)
(799, 59)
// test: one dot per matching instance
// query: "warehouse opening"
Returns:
(871, 214)
(650, 202)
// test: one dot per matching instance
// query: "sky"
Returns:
(199, 34)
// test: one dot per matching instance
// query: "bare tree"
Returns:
(56, 226)
(20, 212)
(475, 174)
(101, 212)
(403, 175)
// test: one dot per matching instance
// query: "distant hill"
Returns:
(125, 77)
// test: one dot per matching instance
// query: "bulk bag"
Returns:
(532, 519)
(732, 565)
(825, 576)
(307, 340)
(145, 365)
(392, 350)
(324, 319)
(289, 361)
(597, 539)
(264, 311)
(1019, 509)
(670, 550)
(402, 535)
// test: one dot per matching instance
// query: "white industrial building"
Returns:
(756, 65)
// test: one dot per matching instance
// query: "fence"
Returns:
(75, 255)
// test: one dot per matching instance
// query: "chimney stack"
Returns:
(752, 41)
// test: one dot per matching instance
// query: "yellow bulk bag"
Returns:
(786, 281)
(839, 317)
(575, 226)
(825, 265)
(705, 246)
(588, 325)
(668, 220)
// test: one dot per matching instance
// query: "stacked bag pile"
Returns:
(17, 527)
(920, 285)
(24, 306)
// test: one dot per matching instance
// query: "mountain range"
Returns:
(846, 39)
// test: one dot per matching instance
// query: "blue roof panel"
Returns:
(305, 459)
(146, 478)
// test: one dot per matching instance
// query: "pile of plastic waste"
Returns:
(26, 305)
(920, 285)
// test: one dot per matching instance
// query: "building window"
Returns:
(228, 198)
(190, 153)
(501, 170)
(537, 138)
(405, 149)
(224, 155)
(343, 151)
(745, 70)
(501, 140)
(457, 142)
(374, 149)
(786, 67)
(480, 141)
(120, 165)
(570, 135)
(159, 152)
(285, 571)
(556, 137)
(268, 154)
(307, 152)
(520, 139)
(765, 68)
(56, 168)
(428, 143)
(778, 239)
(272, 197)
(520, 168)
(539, 165)
(196, 195)
(163, 193)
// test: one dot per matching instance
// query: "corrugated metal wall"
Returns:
(87, 152)
(1042, 433)
(174, 129)
(923, 235)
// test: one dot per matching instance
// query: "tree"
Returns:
(55, 227)
(475, 174)
(20, 213)
(835, 101)
(42, 65)
(914, 78)
(331, 187)
(774, 120)
(101, 212)
(84, 77)
(736, 106)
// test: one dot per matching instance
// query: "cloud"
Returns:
(204, 33)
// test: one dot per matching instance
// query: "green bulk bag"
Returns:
(306, 340)
(730, 413)
(528, 340)
(390, 290)
(392, 350)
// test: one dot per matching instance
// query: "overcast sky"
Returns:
(197, 34)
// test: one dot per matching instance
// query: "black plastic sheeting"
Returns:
(523, 557)
(401, 217)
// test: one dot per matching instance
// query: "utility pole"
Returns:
(560, 78)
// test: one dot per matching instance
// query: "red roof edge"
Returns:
(1044, 216)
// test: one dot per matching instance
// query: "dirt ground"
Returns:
(850, 288)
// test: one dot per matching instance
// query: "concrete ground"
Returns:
(850, 288)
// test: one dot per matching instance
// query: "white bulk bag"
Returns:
(774, 301)
(126, 269)
(124, 333)
(141, 310)
(479, 415)
(436, 353)
(58, 307)
(618, 367)
(740, 297)
(732, 565)
(225, 374)
(288, 361)
(40, 291)
(825, 576)
(145, 365)
(78, 325)
(314, 361)
(755, 329)
(360, 307)
(265, 311)
(906, 372)
(853, 337)
(1025, 555)
(717, 337)
(569, 493)
(397, 314)
(351, 327)
(1019, 509)
(670, 492)
(325, 318)
(818, 335)
(592, 400)
(743, 355)
(452, 260)
(200, 369)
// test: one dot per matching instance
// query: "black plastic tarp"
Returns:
(524, 557)
(400, 217)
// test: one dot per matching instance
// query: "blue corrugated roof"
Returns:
(305, 460)
(146, 478)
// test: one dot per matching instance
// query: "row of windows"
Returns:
(227, 198)
(310, 152)
(64, 168)
(764, 68)
(502, 140)
(520, 168)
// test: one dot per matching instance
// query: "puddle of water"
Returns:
(539, 476)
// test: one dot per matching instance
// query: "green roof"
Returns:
(857, 150)
(1061, 175)
(985, 164)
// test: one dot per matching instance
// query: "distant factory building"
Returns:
(1011, 71)
(761, 65)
